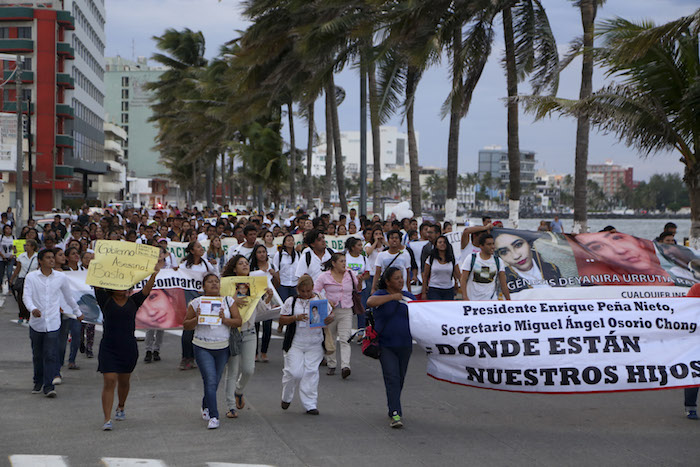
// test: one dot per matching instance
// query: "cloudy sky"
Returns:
(132, 23)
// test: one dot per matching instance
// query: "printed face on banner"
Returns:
(531, 259)
(614, 258)
(163, 309)
(544, 260)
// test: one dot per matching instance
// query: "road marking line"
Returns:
(28, 460)
(127, 462)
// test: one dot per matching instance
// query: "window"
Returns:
(126, 128)
(24, 33)
(125, 118)
(125, 93)
(125, 106)
(125, 81)
(4, 33)
(27, 63)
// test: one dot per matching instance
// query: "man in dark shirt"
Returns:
(58, 227)
(84, 218)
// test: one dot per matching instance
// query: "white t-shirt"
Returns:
(357, 265)
(482, 280)
(6, 247)
(314, 267)
(240, 250)
(441, 275)
(28, 264)
(403, 262)
(372, 259)
(287, 267)
(417, 247)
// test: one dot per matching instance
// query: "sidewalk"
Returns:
(445, 424)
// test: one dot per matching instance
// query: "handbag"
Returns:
(370, 341)
(357, 307)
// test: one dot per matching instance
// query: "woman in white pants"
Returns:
(304, 353)
(337, 283)
(242, 366)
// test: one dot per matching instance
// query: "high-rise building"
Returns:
(128, 105)
(494, 160)
(610, 176)
(394, 147)
(62, 45)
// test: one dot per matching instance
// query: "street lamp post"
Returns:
(20, 156)
(363, 138)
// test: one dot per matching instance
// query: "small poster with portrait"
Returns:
(318, 312)
(209, 309)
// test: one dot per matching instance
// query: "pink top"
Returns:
(338, 293)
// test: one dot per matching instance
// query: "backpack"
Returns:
(308, 256)
(293, 255)
(370, 340)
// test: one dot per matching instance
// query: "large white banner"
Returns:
(561, 346)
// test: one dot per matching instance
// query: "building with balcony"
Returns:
(62, 45)
(111, 185)
(128, 103)
(610, 176)
(494, 160)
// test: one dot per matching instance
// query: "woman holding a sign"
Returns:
(211, 317)
(259, 261)
(118, 349)
(26, 263)
(242, 366)
(303, 348)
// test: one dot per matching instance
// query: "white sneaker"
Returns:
(213, 423)
(57, 380)
(205, 414)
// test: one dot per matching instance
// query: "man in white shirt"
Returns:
(41, 298)
(313, 257)
(393, 257)
(353, 220)
(489, 273)
(250, 234)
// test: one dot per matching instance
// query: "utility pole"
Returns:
(20, 156)
(30, 208)
(363, 138)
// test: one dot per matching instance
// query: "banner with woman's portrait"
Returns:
(542, 265)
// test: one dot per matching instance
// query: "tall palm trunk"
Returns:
(337, 149)
(223, 175)
(231, 179)
(329, 152)
(209, 181)
(692, 179)
(513, 136)
(583, 125)
(376, 138)
(411, 85)
(455, 118)
(292, 158)
(309, 149)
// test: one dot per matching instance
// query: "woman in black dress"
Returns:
(118, 350)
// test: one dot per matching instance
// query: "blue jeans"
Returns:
(6, 268)
(72, 326)
(266, 336)
(44, 352)
(441, 294)
(691, 398)
(286, 291)
(211, 364)
(186, 341)
(394, 362)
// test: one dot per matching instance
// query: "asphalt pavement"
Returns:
(444, 424)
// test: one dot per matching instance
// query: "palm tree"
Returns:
(655, 106)
(529, 46)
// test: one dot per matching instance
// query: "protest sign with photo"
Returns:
(120, 265)
(250, 287)
(209, 308)
(561, 346)
(19, 246)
